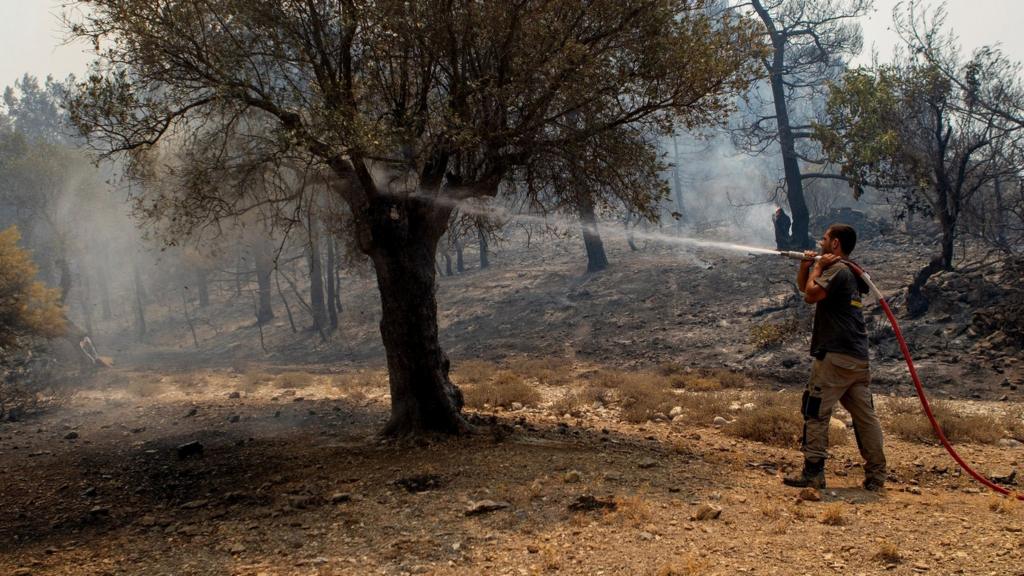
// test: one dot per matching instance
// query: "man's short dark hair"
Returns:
(846, 235)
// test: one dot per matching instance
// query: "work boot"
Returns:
(812, 476)
(873, 484)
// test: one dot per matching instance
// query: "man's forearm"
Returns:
(813, 274)
(801, 277)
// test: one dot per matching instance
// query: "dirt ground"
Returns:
(291, 478)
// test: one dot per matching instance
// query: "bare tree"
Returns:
(809, 42)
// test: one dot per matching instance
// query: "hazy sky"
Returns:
(31, 34)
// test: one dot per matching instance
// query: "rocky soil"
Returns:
(229, 460)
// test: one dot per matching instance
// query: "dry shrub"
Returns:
(577, 398)
(888, 553)
(1004, 504)
(708, 379)
(294, 380)
(700, 408)
(834, 515)
(671, 368)
(502, 390)
(252, 380)
(473, 372)
(548, 371)
(631, 511)
(643, 395)
(906, 419)
(776, 420)
(189, 381)
(770, 334)
(352, 381)
(687, 566)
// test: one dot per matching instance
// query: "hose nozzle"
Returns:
(794, 255)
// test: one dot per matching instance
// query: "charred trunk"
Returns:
(104, 288)
(484, 247)
(264, 268)
(332, 284)
(405, 238)
(203, 286)
(140, 304)
(596, 258)
(460, 262)
(790, 163)
(316, 277)
(917, 301)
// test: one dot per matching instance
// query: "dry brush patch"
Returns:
(550, 371)
(905, 418)
(503, 389)
(294, 380)
(776, 419)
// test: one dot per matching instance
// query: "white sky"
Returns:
(31, 34)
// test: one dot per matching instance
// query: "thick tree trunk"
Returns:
(596, 258)
(262, 255)
(332, 284)
(65, 278)
(485, 260)
(790, 163)
(316, 277)
(86, 300)
(447, 264)
(423, 399)
(917, 302)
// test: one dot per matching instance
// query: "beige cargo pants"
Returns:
(844, 379)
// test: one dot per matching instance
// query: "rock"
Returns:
(138, 430)
(646, 536)
(516, 406)
(234, 418)
(96, 511)
(485, 506)
(749, 406)
(719, 422)
(707, 512)
(532, 548)
(572, 477)
(340, 497)
(235, 394)
(587, 502)
(735, 407)
(192, 412)
(147, 521)
(420, 482)
(675, 411)
(648, 463)
(89, 492)
(1010, 478)
(836, 424)
(194, 504)
(1010, 443)
(22, 572)
(913, 490)
(809, 495)
(190, 449)
(71, 435)
(237, 548)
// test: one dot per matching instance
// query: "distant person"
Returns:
(839, 371)
(782, 222)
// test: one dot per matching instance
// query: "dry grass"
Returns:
(472, 372)
(776, 420)
(834, 515)
(771, 334)
(143, 387)
(644, 395)
(294, 380)
(576, 399)
(700, 408)
(358, 380)
(703, 380)
(547, 371)
(1004, 504)
(888, 553)
(905, 418)
(253, 380)
(632, 511)
(502, 390)
(687, 566)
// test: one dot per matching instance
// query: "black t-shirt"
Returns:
(838, 320)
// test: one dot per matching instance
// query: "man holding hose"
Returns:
(839, 371)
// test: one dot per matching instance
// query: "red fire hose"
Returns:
(859, 272)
